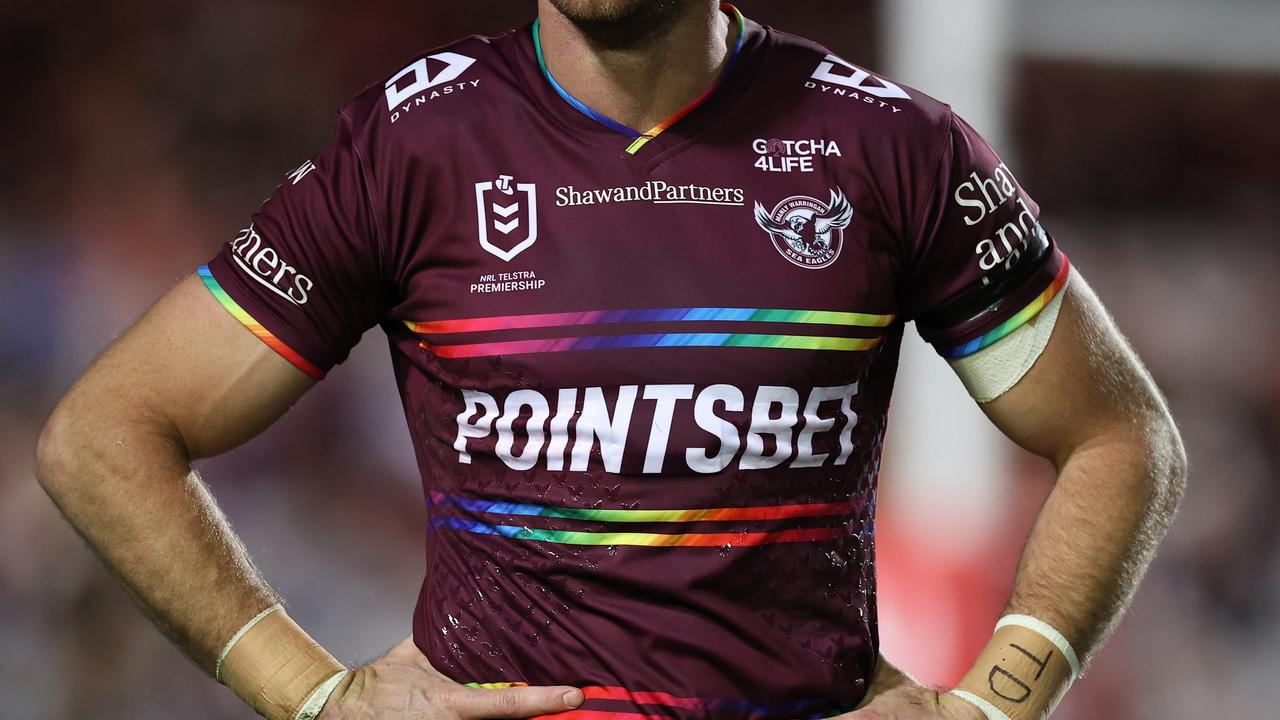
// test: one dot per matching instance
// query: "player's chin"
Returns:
(606, 11)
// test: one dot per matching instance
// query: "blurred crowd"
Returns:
(137, 136)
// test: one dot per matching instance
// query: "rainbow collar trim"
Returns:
(641, 139)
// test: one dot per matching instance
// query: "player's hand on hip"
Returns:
(894, 695)
(402, 685)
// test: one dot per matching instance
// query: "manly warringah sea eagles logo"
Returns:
(507, 214)
(806, 231)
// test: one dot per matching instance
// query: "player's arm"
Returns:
(989, 287)
(187, 381)
(1089, 407)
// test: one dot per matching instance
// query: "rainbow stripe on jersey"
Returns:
(578, 537)
(759, 512)
(603, 317)
(596, 698)
(641, 139)
(666, 340)
(648, 539)
(256, 327)
(432, 328)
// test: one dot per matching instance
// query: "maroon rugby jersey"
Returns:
(646, 377)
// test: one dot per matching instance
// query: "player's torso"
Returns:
(706, 328)
(752, 250)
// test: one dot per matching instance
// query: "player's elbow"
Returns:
(70, 447)
(1167, 465)
(55, 450)
(91, 437)
(1147, 460)
(1135, 459)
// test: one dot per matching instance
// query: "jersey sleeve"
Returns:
(981, 264)
(304, 276)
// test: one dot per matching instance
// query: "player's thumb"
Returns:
(516, 702)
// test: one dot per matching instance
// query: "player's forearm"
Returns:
(1112, 504)
(124, 481)
(1098, 531)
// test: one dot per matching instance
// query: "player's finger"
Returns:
(516, 702)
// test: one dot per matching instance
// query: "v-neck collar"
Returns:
(587, 123)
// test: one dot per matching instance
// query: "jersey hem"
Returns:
(239, 313)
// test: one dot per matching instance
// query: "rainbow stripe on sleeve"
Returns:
(239, 313)
(1021, 318)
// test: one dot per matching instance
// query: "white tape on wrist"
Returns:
(991, 711)
(217, 668)
(1050, 633)
(314, 704)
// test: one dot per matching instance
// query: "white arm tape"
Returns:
(314, 704)
(1050, 633)
(217, 668)
(991, 711)
(990, 372)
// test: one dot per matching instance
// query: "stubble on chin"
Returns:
(622, 23)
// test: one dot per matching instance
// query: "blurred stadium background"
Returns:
(137, 136)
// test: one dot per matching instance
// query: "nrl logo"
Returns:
(806, 231)
(499, 206)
